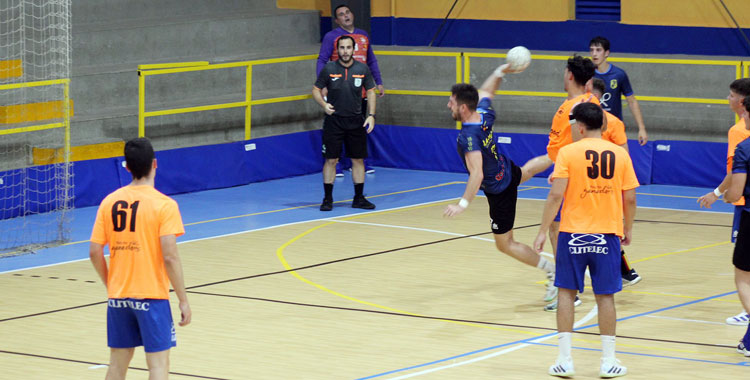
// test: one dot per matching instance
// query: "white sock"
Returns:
(546, 265)
(564, 343)
(608, 346)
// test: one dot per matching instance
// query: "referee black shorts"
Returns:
(339, 130)
(503, 205)
(741, 257)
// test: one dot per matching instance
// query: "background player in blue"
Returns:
(739, 186)
(495, 173)
(617, 84)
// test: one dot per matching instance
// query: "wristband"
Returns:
(463, 203)
(717, 193)
(499, 72)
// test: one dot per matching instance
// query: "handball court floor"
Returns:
(280, 290)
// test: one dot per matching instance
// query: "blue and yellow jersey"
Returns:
(478, 136)
(616, 85)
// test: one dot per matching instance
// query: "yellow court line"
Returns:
(677, 295)
(285, 264)
(680, 251)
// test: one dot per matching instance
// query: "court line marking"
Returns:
(686, 320)
(583, 320)
(524, 341)
(741, 364)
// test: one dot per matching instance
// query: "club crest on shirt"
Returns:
(613, 84)
(357, 82)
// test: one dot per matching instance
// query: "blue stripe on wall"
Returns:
(565, 36)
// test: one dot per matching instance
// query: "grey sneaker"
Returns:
(553, 305)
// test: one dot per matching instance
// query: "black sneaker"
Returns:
(361, 202)
(327, 205)
(630, 278)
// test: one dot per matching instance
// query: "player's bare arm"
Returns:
(712, 196)
(737, 183)
(554, 200)
(318, 97)
(96, 254)
(474, 165)
(370, 120)
(628, 208)
(173, 265)
(492, 83)
(635, 108)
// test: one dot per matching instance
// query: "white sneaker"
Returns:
(743, 350)
(551, 293)
(740, 319)
(611, 367)
(562, 368)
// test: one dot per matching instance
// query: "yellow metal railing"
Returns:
(462, 66)
(65, 124)
(183, 67)
(737, 64)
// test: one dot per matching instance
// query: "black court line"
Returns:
(272, 273)
(307, 267)
(92, 363)
(450, 319)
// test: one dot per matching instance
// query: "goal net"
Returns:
(36, 184)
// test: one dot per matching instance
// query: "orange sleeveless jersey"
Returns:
(360, 48)
(598, 172)
(559, 134)
(615, 132)
(131, 220)
(736, 135)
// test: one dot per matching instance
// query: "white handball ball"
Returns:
(519, 58)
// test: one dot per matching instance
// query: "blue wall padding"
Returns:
(435, 149)
(94, 179)
(414, 148)
(206, 167)
(566, 36)
(215, 166)
(689, 163)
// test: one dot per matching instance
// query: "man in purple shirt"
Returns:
(362, 53)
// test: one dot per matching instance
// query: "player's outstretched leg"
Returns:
(525, 254)
(535, 166)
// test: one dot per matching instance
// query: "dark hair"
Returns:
(347, 37)
(601, 41)
(741, 87)
(466, 94)
(335, 10)
(588, 114)
(746, 102)
(598, 85)
(582, 69)
(139, 154)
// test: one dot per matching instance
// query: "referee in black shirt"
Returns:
(344, 122)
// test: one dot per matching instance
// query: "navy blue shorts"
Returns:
(736, 222)
(599, 252)
(133, 322)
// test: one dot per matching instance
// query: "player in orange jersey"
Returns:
(597, 180)
(141, 226)
(739, 89)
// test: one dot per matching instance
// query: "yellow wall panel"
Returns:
(21, 113)
(706, 13)
(47, 156)
(11, 69)
(527, 10)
